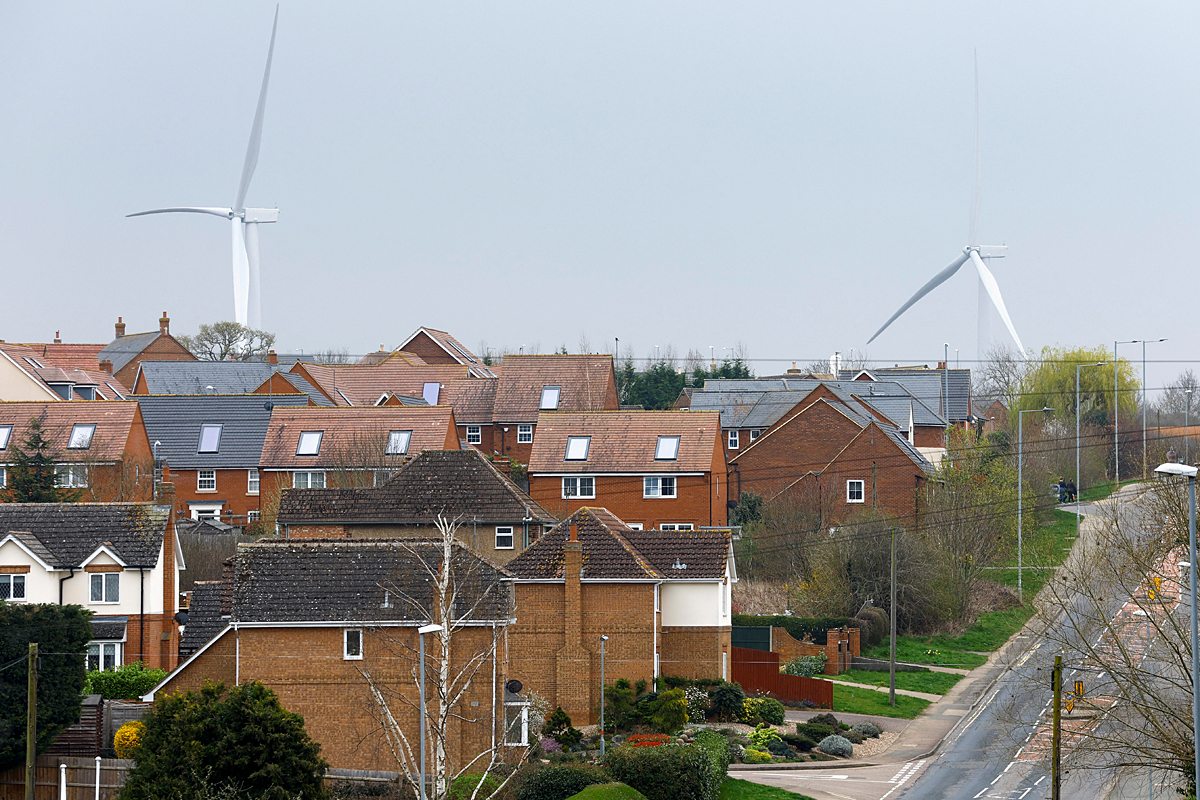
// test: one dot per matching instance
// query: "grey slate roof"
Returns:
(70, 532)
(930, 386)
(455, 483)
(175, 420)
(762, 403)
(225, 377)
(303, 385)
(204, 617)
(298, 580)
(112, 628)
(123, 349)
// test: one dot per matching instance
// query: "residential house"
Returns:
(27, 374)
(497, 519)
(358, 385)
(118, 560)
(663, 599)
(438, 347)
(946, 391)
(312, 448)
(834, 452)
(101, 449)
(312, 619)
(222, 377)
(126, 352)
(654, 469)
(212, 445)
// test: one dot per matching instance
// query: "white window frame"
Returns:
(253, 516)
(474, 434)
(862, 491)
(754, 434)
(505, 532)
(576, 482)
(398, 443)
(216, 446)
(71, 476)
(82, 434)
(253, 481)
(431, 391)
(667, 444)
(3, 477)
(205, 510)
(307, 436)
(5, 436)
(308, 479)
(573, 444)
(106, 586)
(550, 393)
(9, 581)
(510, 724)
(637, 526)
(118, 653)
(653, 487)
(382, 476)
(346, 654)
(677, 526)
(524, 434)
(731, 437)
(206, 480)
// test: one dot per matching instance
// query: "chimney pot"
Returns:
(164, 325)
(57, 337)
(120, 328)
(106, 365)
(574, 533)
(272, 358)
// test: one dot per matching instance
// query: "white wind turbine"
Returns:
(247, 298)
(989, 292)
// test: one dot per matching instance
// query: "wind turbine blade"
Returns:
(977, 188)
(241, 271)
(227, 213)
(255, 303)
(989, 282)
(935, 282)
(256, 130)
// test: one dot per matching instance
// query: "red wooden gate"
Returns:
(758, 673)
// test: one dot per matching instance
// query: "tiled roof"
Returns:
(458, 484)
(112, 628)
(70, 532)
(930, 386)
(204, 617)
(69, 356)
(614, 551)
(625, 441)
(123, 349)
(455, 349)
(195, 377)
(354, 437)
(364, 385)
(175, 422)
(113, 420)
(366, 580)
(314, 394)
(588, 384)
(472, 400)
(761, 403)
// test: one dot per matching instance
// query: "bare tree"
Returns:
(333, 355)
(999, 375)
(228, 341)
(1173, 403)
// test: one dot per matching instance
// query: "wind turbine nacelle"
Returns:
(262, 215)
(993, 251)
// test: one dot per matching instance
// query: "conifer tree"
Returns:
(31, 471)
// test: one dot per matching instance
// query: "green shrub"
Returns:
(813, 628)
(676, 682)
(558, 728)
(127, 682)
(756, 757)
(853, 736)
(668, 711)
(464, 786)
(698, 703)
(836, 746)
(620, 706)
(777, 747)
(814, 730)
(766, 709)
(762, 736)
(826, 719)
(874, 626)
(727, 702)
(558, 782)
(801, 743)
(806, 666)
(719, 753)
(667, 772)
(868, 729)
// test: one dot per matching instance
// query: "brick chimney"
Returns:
(120, 328)
(57, 337)
(164, 325)
(106, 365)
(272, 358)
(573, 678)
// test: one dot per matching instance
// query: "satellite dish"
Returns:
(268, 406)
(514, 686)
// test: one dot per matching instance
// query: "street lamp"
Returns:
(1020, 487)
(1187, 426)
(603, 639)
(1155, 341)
(424, 629)
(1116, 420)
(1189, 472)
(1078, 477)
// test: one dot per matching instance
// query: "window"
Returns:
(3, 477)
(733, 440)
(86, 392)
(577, 448)
(550, 398)
(12, 587)
(81, 437)
(667, 448)
(637, 526)
(254, 516)
(430, 392)
(504, 538)
(106, 587)
(103, 655)
(71, 476)
(516, 723)
(352, 644)
(398, 442)
(583, 488)
(204, 510)
(655, 486)
(754, 434)
(206, 480)
(855, 491)
(382, 476)
(675, 526)
(524, 434)
(33, 362)
(5, 435)
(210, 439)
(474, 434)
(343, 396)
(310, 443)
(252, 482)
(308, 480)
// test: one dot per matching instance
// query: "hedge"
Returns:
(560, 781)
(669, 772)
(815, 628)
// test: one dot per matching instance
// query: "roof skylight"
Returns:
(81, 437)
(210, 439)
(5, 434)
(550, 398)
(577, 448)
(398, 442)
(431, 391)
(343, 394)
(667, 448)
(461, 352)
(310, 443)
(33, 362)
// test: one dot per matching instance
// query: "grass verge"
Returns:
(609, 791)
(933, 682)
(736, 789)
(1101, 491)
(849, 700)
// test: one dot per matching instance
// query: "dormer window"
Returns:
(5, 435)
(577, 448)
(550, 398)
(431, 392)
(310, 443)
(667, 449)
(85, 392)
(398, 442)
(210, 439)
(81, 437)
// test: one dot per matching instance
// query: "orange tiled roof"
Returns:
(69, 356)
(472, 400)
(364, 385)
(354, 434)
(113, 421)
(625, 441)
(588, 384)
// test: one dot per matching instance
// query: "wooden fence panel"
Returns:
(81, 778)
(758, 673)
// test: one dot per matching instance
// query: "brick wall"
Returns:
(929, 436)
(429, 350)
(232, 492)
(696, 500)
(479, 537)
(694, 651)
(164, 348)
(841, 644)
(506, 441)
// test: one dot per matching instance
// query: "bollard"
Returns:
(97, 777)
(62, 782)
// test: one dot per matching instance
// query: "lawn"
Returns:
(849, 700)
(1102, 490)
(936, 650)
(735, 789)
(934, 682)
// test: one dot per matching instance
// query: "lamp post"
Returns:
(1020, 487)
(1078, 477)
(1116, 419)
(1189, 472)
(1187, 426)
(1155, 341)
(603, 639)
(424, 629)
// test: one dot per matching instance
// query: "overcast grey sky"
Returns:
(779, 174)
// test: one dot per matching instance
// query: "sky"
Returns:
(780, 176)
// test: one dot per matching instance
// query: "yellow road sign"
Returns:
(1157, 587)
(1079, 689)
(1070, 703)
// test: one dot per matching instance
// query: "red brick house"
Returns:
(438, 347)
(123, 354)
(27, 374)
(368, 385)
(835, 452)
(653, 469)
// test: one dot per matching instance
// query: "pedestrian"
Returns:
(1062, 490)
(1071, 491)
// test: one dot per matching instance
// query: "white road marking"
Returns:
(1039, 780)
(1010, 766)
(1027, 791)
(902, 781)
(998, 777)
(981, 791)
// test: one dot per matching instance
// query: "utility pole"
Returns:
(31, 724)
(892, 657)
(1055, 749)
